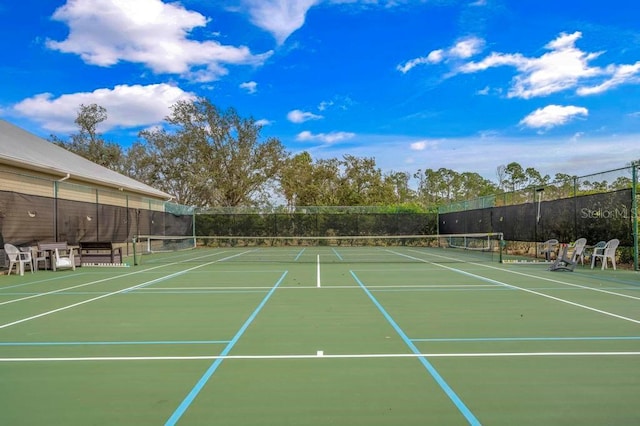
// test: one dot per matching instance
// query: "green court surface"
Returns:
(320, 336)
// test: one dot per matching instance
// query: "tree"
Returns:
(501, 175)
(88, 143)
(138, 163)
(435, 187)
(361, 182)
(514, 176)
(213, 157)
(170, 163)
(296, 180)
(473, 186)
(398, 183)
(564, 185)
(324, 184)
(351, 181)
(308, 183)
(443, 186)
(622, 182)
(534, 178)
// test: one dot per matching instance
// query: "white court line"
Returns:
(21, 299)
(323, 356)
(613, 293)
(307, 287)
(537, 293)
(124, 290)
(95, 282)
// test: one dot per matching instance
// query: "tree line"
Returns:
(209, 157)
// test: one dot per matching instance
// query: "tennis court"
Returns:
(319, 335)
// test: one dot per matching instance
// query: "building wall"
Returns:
(32, 182)
(36, 206)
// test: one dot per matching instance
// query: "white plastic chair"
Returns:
(18, 258)
(598, 247)
(63, 261)
(604, 253)
(39, 256)
(547, 248)
(578, 250)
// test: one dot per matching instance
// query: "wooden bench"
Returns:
(46, 250)
(100, 252)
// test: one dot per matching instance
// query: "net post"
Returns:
(135, 254)
(501, 246)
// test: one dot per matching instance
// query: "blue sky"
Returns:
(464, 84)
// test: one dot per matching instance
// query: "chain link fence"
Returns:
(598, 207)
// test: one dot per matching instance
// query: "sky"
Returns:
(467, 85)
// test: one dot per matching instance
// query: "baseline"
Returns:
(324, 355)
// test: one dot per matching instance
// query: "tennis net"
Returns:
(334, 249)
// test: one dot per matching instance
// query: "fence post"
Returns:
(634, 210)
(55, 211)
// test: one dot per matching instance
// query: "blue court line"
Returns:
(299, 254)
(151, 342)
(184, 405)
(519, 339)
(337, 254)
(430, 368)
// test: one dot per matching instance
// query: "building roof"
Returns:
(23, 149)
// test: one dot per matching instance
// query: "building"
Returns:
(50, 194)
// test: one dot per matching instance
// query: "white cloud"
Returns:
(495, 60)
(577, 136)
(423, 145)
(324, 105)
(548, 155)
(297, 116)
(466, 48)
(264, 122)
(620, 74)
(250, 86)
(463, 49)
(127, 106)
(552, 116)
(281, 18)
(148, 32)
(328, 138)
(433, 57)
(337, 102)
(563, 67)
